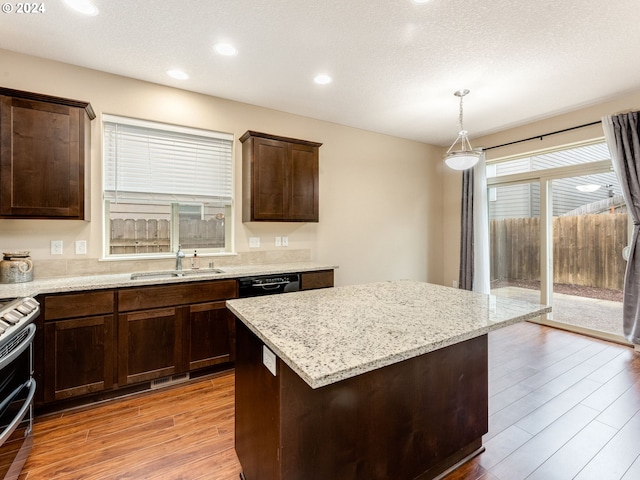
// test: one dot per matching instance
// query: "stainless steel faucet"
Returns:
(179, 257)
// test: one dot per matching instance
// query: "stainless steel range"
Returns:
(17, 386)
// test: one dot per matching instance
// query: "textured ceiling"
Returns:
(395, 64)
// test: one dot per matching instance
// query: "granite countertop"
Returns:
(96, 282)
(329, 335)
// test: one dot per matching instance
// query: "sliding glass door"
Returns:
(514, 241)
(558, 227)
(590, 231)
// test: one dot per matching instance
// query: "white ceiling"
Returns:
(395, 64)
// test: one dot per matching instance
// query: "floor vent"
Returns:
(168, 381)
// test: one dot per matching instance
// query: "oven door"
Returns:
(17, 390)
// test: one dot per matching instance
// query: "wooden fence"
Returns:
(153, 236)
(587, 250)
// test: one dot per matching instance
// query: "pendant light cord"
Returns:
(460, 114)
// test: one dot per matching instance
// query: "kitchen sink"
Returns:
(201, 271)
(175, 273)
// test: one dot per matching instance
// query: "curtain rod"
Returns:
(543, 135)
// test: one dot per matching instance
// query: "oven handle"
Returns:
(21, 414)
(21, 348)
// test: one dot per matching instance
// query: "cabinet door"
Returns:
(150, 345)
(269, 179)
(79, 356)
(302, 204)
(41, 159)
(279, 178)
(211, 335)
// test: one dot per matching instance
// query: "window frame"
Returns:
(228, 203)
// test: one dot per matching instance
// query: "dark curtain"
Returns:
(465, 278)
(625, 154)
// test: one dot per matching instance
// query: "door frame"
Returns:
(545, 178)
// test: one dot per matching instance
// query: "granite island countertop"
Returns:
(120, 280)
(329, 335)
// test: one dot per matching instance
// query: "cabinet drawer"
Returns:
(78, 305)
(311, 280)
(175, 294)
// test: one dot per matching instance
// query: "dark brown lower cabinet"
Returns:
(411, 420)
(170, 329)
(104, 340)
(79, 356)
(150, 345)
(210, 335)
(75, 352)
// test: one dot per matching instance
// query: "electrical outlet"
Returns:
(269, 360)
(278, 241)
(254, 242)
(285, 241)
(455, 284)
(56, 247)
(81, 247)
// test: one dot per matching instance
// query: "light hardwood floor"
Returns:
(561, 406)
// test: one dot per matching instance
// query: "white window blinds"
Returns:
(151, 162)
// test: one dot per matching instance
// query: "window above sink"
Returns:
(164, 186)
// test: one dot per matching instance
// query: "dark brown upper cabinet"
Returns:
(279, 179)
(45, 146)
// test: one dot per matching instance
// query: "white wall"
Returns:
(380, 196)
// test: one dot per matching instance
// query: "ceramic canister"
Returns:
(16, 267)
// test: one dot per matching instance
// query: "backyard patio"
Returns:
(599, 314)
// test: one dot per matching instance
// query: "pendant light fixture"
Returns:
(589, 186)
(466, 157)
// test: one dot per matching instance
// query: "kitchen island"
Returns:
(379, 381)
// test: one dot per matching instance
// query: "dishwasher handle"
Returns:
(268, 284)
(271, 284)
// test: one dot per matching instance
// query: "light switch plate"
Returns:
(254, 242)
(285, 241)
(278, 241)
(269, 360)
(56, 247)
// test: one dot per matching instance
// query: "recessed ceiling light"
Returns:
(83, 6)
(177, 74)
(420, 2)
(226, 49)
(323, 79)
